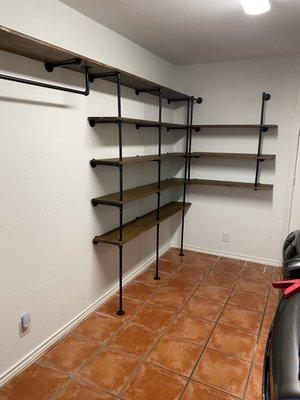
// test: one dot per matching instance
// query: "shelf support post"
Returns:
(157, 277)
(120, 311)
(265, 97)
(185, 174)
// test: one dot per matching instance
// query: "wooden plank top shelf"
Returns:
(240, 126)
(140, 225)
(134, 121)
(135, 159)
(244, 185)
(27, 46)
(242, 156)
(136, 193)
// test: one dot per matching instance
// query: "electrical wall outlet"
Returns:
(226, 237)
(24, 324)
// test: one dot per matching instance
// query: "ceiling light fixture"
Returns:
(255, 7)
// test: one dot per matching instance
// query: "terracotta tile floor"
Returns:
(197, 334)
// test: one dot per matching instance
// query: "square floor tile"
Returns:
(203, 308)
(110, 370)
(272, 305)
(80, 391)
(175, 355)
(71, 353)
(180, 283)
(233, 341)
(147, 277)
(241, 318)
(261, 273)
(195, 272)
(213, 292)
(192, 329)
(111, 307)
(36, 382)
(166, 266)
(254, 286)
(99, 327)
(198, 391)
(169, 298)
(153, 383)
(266, 324)
(229, 266)
(221, 278)
(260, 350)
(138, 291)
(254, 389)
(251, 301)
(223, 372)
(153, 317)
(173, 256)
(135, 340)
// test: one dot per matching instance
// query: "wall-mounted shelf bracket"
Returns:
(51, 65)
(103, 75)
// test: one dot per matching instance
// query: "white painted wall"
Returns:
(256, 221)
(49, 266)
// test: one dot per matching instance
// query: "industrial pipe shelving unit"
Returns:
(53, 56)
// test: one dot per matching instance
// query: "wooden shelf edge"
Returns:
(136, 193)
(242, 185)
(135, 159)
(134, 121)
(138, 226)
(242, 156)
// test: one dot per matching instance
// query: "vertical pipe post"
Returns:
(265, 97)
(120, 128)
(185, 175)
(192, 101)
(157, 277)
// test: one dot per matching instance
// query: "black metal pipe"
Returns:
(51, 65)
(265, 97)
(185, 177)
(103, 75)
(120, 310)
(192, 101)
(85, 92)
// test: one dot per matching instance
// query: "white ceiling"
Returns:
(197, 31)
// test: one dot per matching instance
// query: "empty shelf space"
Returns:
(133, 121)
(135, 159)
(27, 46)
(242, 156)
(140, 225)
(136, 193)
(245, 185)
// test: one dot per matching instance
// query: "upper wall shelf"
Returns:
(135, 159)
(27, 46)
(245, 126)
(237, 156)
(134, 121)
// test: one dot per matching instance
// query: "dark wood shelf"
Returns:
(27, 46)
(140, 225)
(238, 126)
(134, 121)
(244, 185)
(135, 159)
(136, 193)
(242, 156)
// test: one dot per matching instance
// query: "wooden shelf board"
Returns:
(136, 193)
(27, 46)
(136, 159)
(140, 225)
(245, 185)
(135, 121)
(243, 156)
(240, 126)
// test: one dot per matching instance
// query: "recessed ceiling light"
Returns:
(255, 7)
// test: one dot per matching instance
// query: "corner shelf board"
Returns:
(235, 126)
(27, 46)
(135, 159)
(136, 193)
(241, 156)
(244, 185)
(141, 224)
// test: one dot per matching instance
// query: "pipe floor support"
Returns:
(120, 311)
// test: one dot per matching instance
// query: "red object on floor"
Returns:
(290, 287)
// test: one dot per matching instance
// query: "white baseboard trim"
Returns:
(44, 346)
(230, 255)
